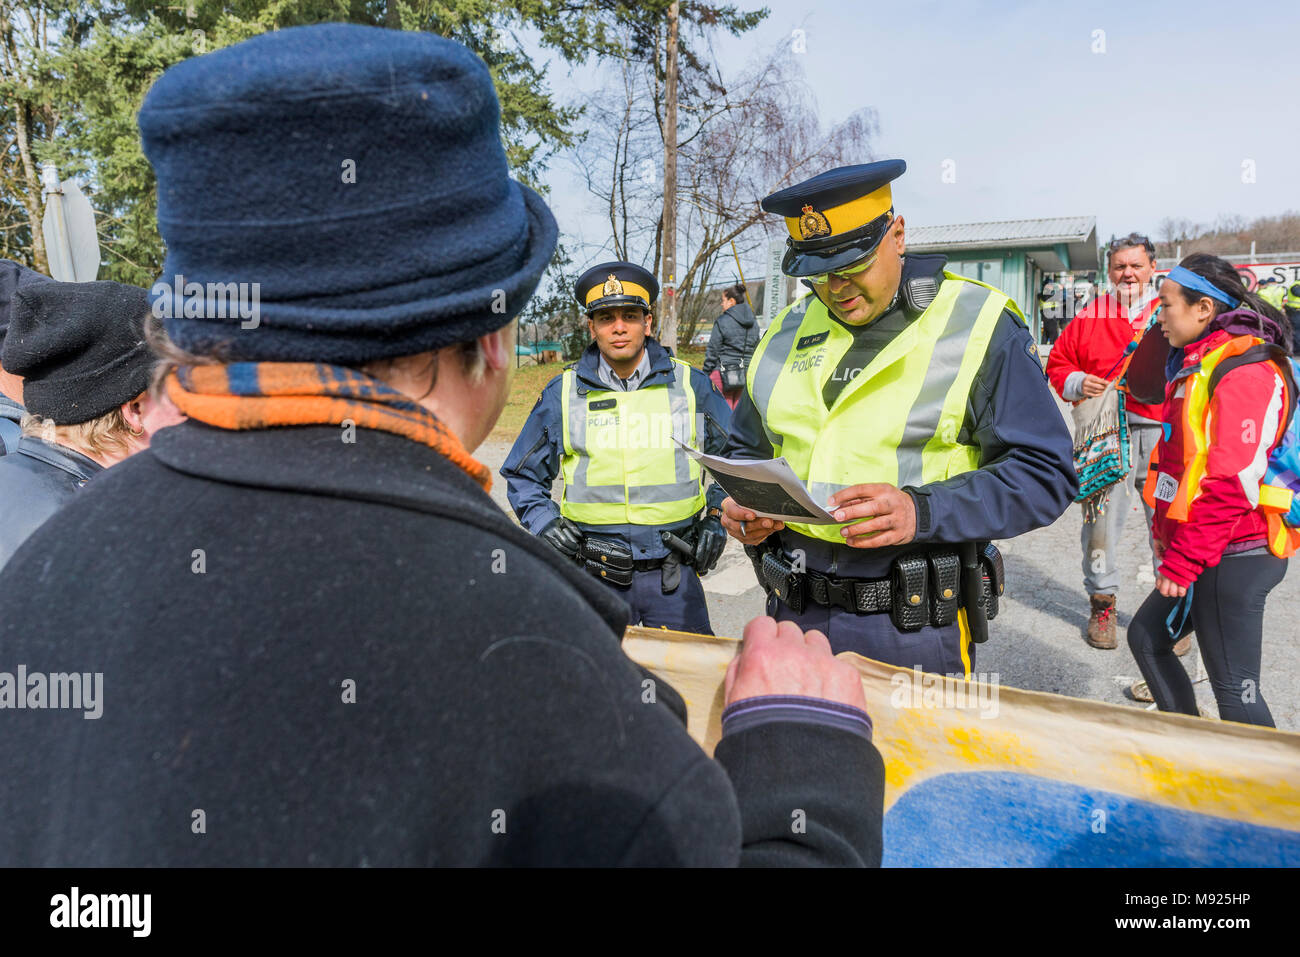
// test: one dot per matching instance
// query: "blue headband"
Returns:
(1185, 277)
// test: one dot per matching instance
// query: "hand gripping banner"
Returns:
(984, 775)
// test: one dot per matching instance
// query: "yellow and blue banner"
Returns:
(983, 775)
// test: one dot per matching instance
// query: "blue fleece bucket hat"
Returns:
(337, 193)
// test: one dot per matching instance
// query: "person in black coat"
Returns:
(735, 334)
(85, 368)
(320, 641)
(12, 275)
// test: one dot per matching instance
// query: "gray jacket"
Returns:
(36, 478)
(11, 414)
(735, 336)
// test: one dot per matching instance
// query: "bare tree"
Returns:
(764, 135)
(1229, 224)
(668, 219)
(750, 136)
(1276, 234)
(1231, 235)
(617, 160)
(1173, 230)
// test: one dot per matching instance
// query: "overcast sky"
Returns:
(1034, 122)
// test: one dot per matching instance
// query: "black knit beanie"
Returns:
(79, 347)
(13, 275)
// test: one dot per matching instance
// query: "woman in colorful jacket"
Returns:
(1211, 534)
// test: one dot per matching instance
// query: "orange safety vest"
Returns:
(1274, 502)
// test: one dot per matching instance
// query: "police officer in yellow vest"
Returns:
(912, 402)
(1291, 306)
(633, 511)
(1273, 292)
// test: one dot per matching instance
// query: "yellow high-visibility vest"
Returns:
(1273, 500)
(899, 419)
(1274, 294)
(620, 464)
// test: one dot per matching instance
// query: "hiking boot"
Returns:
(1140, 691)
(1183, 646)
(1101, 624)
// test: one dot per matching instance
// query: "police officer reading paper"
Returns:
(911, 400)
(632, 512)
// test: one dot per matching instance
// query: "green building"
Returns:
(1016, 256)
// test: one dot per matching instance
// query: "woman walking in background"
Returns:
(1211, 533)
(735, 335)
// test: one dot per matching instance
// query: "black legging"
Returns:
(1228, 617)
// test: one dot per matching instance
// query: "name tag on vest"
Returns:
(807, 341)
(603, 404)
(1166, 487)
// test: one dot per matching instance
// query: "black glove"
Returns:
(565, 536)
(710, 540)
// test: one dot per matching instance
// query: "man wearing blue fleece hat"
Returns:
(322, 631)
(911, 402)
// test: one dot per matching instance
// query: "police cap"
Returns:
(837, 217)
(616, 284)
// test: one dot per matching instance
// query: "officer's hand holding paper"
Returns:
(767, 487)
(770, 489)
(888, 515)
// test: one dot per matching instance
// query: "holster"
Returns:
(911, 608)
(670, 573)
(945, 579)
(755, 555)
(994, 578)
(607, 559)
(779, 577)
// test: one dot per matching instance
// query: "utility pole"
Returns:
(668, 307)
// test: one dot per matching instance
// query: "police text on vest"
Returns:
(811, 362)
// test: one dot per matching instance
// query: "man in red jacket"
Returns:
(1084, 358)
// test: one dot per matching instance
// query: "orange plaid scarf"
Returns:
(262, 395)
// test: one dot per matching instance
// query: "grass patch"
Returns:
(528, 383)
(526, 386)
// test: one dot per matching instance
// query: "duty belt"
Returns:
(923, 587)
(611, 560)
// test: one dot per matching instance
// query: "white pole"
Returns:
(59, 247)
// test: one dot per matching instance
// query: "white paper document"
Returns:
(767, 487)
